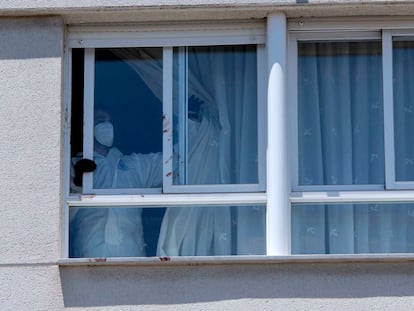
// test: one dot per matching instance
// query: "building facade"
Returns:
(312, 212)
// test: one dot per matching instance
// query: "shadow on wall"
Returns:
(31, 38)
(163, 285)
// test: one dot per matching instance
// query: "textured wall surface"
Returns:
(34, 4)
(87, 11)
(30, 135)
(30, 146)
(31, 51)
(244, 287)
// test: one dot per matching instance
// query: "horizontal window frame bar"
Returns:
(327, 188)
(165, 200)
(164, 36)
(350, 36)
(349, 24)
(352, 197)
(219, 188)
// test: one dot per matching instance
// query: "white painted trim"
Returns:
(149, 200)
(169, 187)
(388, 99)
(391, 178)
(402, 185)
(219, 188)
(67, 97)
(277, 216)
(261, 115)
(336, 35)
(166, 35)
(352, 196)
(167, 119)
(182, 116)
(405, 33)
(302, 188)
(122, 191)
(292, 89)
(88, 107)
(350, 23)
(294, 38)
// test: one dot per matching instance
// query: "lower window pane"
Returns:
(172, 231)
(352, 228)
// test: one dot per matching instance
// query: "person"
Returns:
(111, 232)
(202, 230)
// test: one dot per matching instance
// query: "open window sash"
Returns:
(398, 47)
(198, 112)
(175, 97)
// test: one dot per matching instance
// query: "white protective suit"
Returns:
(199, 231)
(114, 232)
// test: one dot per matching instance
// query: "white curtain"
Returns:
(404, 109)
(222, 150)
(341, 143)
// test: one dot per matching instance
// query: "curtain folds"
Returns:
(222, 149)
(341, 143)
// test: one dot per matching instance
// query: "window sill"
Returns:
(226, 260)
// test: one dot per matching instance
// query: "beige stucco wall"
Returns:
(30, 183)
(242, 287)
(31, 149)
(30, 135)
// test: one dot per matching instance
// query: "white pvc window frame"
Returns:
(302, 30)
(388, 39)
(141, 40)
(89, 38)
(330, 36)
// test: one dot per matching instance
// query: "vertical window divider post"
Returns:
(88, 124)
(387, 80)
(277, 216)
(67, 130)
(182, 114)
(167, 119)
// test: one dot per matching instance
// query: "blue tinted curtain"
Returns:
(222, 150)
(340, 134)
(403, 64)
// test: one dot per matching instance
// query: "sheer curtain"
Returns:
(222, 149)
(403, 62)
(340, 143)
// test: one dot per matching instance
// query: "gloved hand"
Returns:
(194, 105)
(83, 166)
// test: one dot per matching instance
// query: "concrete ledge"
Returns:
(94, 11)
(240, 260)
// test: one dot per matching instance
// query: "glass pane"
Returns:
(173, 231)
(128, 118)
(340, 113)
(403, 84)
(352, 228)
(215, 115)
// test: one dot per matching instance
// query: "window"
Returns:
(181, 114)
(172, 120)
(353, 149)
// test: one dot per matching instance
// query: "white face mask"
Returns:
(104, 133)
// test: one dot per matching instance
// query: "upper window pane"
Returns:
(215, 92)
(128, 118)
(340, 113)
(403, 87)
